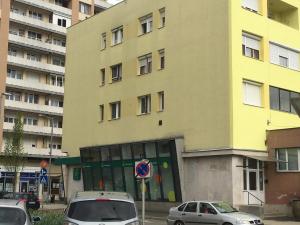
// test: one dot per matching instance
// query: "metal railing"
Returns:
(250, 194)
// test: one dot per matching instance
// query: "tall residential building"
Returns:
(32, 69)
(200, 88)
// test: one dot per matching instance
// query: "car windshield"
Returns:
(224, 207)
(12, 216)
(101, 210)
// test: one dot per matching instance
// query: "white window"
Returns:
(162, 17)
(144, 104)
(145, 64)
(57, 80)
(252, 93)
(102, 77)
(252, 5)
(12, 51)
(13, 96)
(56, 123)
(117, 36)
(59, 42)
(161, 101)
(103, 40)
(11, 73)
(31, 98)
(115, 109)
(33, 57)
(84, 8)
(116, 72)
(9, 119)
(58, 61)
(251, 46)
(54, 102)
(34, 35)
(161, 59)
(284, 56)
(30, 121)
(101, 113)
(288, 159)
(35, 15)
(146, 24)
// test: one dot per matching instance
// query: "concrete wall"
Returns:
(72, 186)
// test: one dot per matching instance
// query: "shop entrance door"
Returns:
(24, 186)
(254, 191)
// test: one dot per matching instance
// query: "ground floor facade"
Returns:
(236, 176)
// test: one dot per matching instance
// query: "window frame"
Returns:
(145, 61)
(118, 75)
(162, 14)
(249, 51)
(286, 170)
(103, 41)
(162, 59)
(117, 114)
(146, 109)
(148, 22)
(117, 35)
(161, 101)
(245, 100)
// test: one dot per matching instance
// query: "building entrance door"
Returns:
(253, 176)
(24, 186)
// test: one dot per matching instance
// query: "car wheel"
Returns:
(227, 224)
(179, 223)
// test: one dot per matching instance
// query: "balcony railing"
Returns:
(23, 19)
(47, 6)
(34, 65)
(32, 86)
(36, 108)
(31, 43)
(37, 130)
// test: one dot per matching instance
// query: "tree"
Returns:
(13, 158)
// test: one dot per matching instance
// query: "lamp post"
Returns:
(50, 155)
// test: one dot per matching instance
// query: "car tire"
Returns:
(179, 223)
(227, 224)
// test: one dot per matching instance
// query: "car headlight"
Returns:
(243, 222)
(134, 223)
(69, 223)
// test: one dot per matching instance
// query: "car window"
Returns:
(180, 208)
(191, 207)
(12, 216)
(101, 210)
(206, 208)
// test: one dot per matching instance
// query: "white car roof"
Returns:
(90, 195)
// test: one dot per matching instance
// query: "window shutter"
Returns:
(251, 42)
(293, 60)
(252, 94)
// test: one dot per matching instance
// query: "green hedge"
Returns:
(49, 217)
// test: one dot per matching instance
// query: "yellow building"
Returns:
(192, 85)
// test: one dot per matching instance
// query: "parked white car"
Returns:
(204, 212)
(13, 212)
(101, 208)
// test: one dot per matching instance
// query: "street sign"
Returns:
(43, 172)
(43, 164)
(143, 169)
(44, 179)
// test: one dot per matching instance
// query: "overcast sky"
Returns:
(114, 1)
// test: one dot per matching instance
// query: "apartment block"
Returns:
(32, 49)
(200, 88)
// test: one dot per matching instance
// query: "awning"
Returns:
(265, 158)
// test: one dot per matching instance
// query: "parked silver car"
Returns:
(13, 212)
(101, 208)
(204, 212)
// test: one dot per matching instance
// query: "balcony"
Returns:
(36, 108)
(34, 65)
(47, 6)
(102, 4)
(31, 43)
(37, 130)
(32, 86)
(25, 20)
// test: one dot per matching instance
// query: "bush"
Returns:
(49, 217)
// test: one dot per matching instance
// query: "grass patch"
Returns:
(53, 217)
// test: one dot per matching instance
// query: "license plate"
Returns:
(31, 202)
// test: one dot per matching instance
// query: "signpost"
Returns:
(43, 176)
(143, 170)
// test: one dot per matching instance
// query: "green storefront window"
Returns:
(129, 180)
(107, 179)
(118, 179)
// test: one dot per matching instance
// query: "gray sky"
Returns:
(114, 1)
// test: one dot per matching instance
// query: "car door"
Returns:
(190, 215)
(208, 215)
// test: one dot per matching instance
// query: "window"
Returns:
(11, 73)
(252, 93)
(84, 8)
(9, 119)
(58, 61)
(161, 101)
(30, 121)
(115, 109)
(34, 35)
(206, 208)
(145, 64)
(280, 99)
(288, 159)
(251, 46)
(144, 104)
(12, 51)
(101, 114)
(35, 15)
(31, 98)
(284, 56)
(146, 24)
(102, 77)
(59, 42)
(181, 208)
(161, 59)
(191, 207)
(252, 5)
(56, 80)
(13, 96)
(117, 36)
(33, 57)
(103, 40)
(62, 22)
(116, 72)
(162, 17)
(54, 102)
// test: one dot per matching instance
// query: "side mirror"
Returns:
(36, 219)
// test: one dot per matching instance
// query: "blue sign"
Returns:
(44, 179)
(44, 172)
(143, 169)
